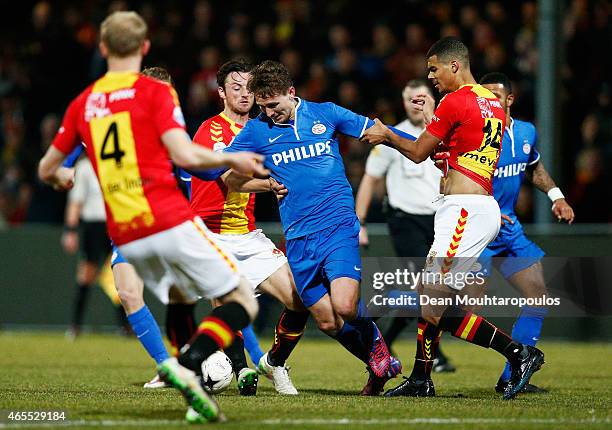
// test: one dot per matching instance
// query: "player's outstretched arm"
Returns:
(540, 178)
(193, 157)
(51, 172)
(247, 184)
(416, 150)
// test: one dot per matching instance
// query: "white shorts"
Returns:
(186, 256)
(464, 225)
(257, 256)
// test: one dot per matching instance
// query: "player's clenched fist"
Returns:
(279, 190)
(563, 211)
(64, 179)
(376, 134)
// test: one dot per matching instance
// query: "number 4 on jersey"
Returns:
(116, 154)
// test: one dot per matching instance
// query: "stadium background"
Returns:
(354, 56)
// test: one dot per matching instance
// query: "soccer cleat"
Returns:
(279, 376)
(413, 388)
(247, 382)
(501, 385)
(380, 359)
(192, 417)
(156, 382)
(442, 365)
(375, 385)
(188, 384)
(522, 371)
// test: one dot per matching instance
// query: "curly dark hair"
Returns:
(269, 78)
(241, 65)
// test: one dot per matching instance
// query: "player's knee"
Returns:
(130, 300)
(346, 309)
(130, 294)
(328, 326)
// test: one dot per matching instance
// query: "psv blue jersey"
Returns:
(304, 156)
(518, 151)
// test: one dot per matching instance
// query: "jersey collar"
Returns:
(294, 126)
(510, 133)
(231, 122)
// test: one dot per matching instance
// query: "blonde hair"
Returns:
(123, 33)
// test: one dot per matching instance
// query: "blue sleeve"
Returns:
(397, 131)
(347, 122)
(243, 141)
(354, 125)
(72, 158)
(534, 156)
(401, 133)
(185, 180)
(206, 175)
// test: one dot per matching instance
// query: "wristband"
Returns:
(71, 229)
(555, 194)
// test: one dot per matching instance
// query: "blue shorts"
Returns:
(511, 243)
(320, 257)
(116, 256)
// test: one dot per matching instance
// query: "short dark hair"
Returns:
(450, 48)
(241, 65)
(497, 78)
(269, 78)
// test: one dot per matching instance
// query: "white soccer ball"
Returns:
(217, 372)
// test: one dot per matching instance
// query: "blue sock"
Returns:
(252, 344)
(368, 331)
(147, 331)
(526, 330)
(350, 338)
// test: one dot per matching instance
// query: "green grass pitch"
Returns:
(98, 381)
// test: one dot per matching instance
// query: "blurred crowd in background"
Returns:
(357, 56)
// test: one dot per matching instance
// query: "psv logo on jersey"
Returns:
(318, 128)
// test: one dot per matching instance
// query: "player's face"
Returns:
(501, 93)
(415, 116)
(278, 108)
(440, 74)
(235, 94)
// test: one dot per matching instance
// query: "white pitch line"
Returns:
(315, 421)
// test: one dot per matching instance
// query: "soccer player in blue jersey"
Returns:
(318, 216)
(519, 158)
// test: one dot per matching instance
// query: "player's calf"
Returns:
(524, 360)
(215, 332)
(287, 333)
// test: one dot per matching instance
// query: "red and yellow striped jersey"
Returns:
(471, 123)
(222, 211)
(120, 118)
